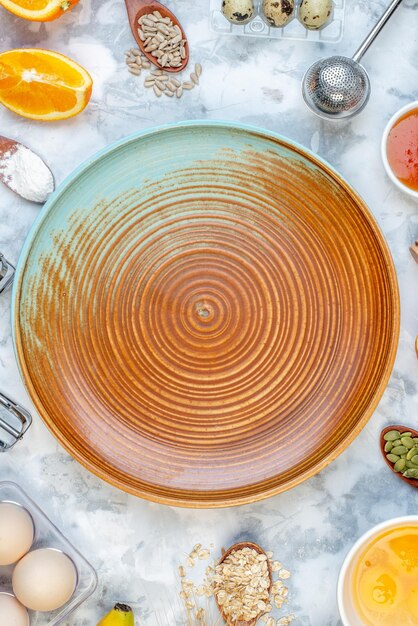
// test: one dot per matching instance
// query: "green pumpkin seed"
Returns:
(400, 465)
(397, 442)
(399, 450)
(388, 446)
(391, 435)
(415, 439)
(411, 453)
(393, 458)
(411, 465)
(411, 473)
(415, 459)
(406, 434)
(407, 442)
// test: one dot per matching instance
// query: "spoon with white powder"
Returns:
(24, 172)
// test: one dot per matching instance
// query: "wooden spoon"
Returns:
(414, 251)
(402, 429)
(234, 548)
(24, 172)
(136, 9)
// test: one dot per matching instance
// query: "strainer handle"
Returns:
(376, 30)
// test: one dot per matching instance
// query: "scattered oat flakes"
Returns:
(284, 574)
(203, 554)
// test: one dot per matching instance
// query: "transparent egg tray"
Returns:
(332, 32)
(48, 536)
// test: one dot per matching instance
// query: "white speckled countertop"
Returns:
(136, 545)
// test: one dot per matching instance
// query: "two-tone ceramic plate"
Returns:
(205, 314)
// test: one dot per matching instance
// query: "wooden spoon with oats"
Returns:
(233, 549)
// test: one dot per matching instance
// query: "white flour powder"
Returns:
(24, 172)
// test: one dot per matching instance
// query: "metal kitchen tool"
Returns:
(14, 422)
(7, 271)
(339, 87)
(24, 172)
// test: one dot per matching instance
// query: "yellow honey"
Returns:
(385, 579)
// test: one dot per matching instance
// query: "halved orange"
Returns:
(43, 85)
(39, 10)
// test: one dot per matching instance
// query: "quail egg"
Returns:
(278, 12)
(314, 14)
(238, 11)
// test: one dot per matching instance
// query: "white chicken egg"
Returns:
(44, 580)
(12, 612)
(16, 532)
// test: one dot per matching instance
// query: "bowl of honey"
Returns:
(378, 582)
(400, 149)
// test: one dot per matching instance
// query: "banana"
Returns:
(120, 615)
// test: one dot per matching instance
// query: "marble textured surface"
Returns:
(136, 545)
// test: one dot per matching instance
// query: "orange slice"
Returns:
(39, 10)
(43, 85)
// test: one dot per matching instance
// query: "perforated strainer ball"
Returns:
(336, 87)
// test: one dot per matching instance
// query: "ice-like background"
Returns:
(136, 545)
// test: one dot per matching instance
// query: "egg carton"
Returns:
(47, 535)
(332, 32)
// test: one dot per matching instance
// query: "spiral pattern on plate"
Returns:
(207, 315)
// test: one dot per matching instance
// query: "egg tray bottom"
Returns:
(332, 32)
(47, 535)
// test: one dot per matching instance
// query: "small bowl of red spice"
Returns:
(400, 149)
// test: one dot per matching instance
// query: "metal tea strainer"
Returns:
(339, 87)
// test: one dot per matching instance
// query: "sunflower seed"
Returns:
(136, 71)
(157, 91)
(187, 85)
(198, 70)
(160, 84)
(179, 92)
(162, 28)
(170, 85)
(169, 94)
(157, 14)
(194, 78)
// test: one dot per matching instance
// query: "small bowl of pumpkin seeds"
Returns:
(399, 446)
